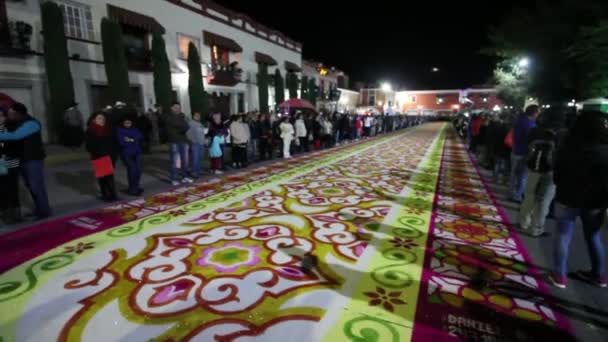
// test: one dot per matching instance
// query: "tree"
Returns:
(292, 84)
(304, 88)
(512, 83)
(312, 91)
(196, 88)
(115, 60)
(163, 90)
(590, 54)
(279, 88)
(547, 32)
(263, 87)
(61, 84)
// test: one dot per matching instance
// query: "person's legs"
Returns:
(527, 207)
(519, 173)
(286, 146)
(33, 174)
(138, 172)
(175, 162)
(592, 223)
(129, 161)
(544, 195)
(185, 158)
(197, 156)
(566, 219)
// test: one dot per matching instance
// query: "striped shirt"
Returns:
(11, 163)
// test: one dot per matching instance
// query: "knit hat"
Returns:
(19, 108)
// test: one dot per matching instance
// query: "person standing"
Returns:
(301, 133)
(215, 152)
(543, 143)
(239, 135)
(254, 129)
(73, 126)
(10, 206)
(177, 127)
(287, 133)
(581, 179)
(266, 137)
(367, 126)
(28, 132)
(327, 132)
(144, 125)
(196, 134)
(519, 169)
(217, 127)
(129, 140)
(500, 151)
(99, 142)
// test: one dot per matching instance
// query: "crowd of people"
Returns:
(121, 132)
(555, 162)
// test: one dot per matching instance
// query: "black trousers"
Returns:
(107, 187)
(304, 144)
(9, 184)
(265, 147)
(239, 155)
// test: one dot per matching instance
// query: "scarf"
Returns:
(99, 131)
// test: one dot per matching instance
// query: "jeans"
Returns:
(593, 220)
(500, 167)
(133, 163)
(253, 149)
(519, 175)
(540, 191)
(198, 151)
(179, 161)
(32, 172)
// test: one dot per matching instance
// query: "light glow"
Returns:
(524, 62)
(387, 87)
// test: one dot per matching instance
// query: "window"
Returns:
(372, 100)
(413, 99)
(220, 56)
(77, 19)
(137, 47)
(183, 41)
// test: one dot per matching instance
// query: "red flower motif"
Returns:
(403, 243)
(79, 248)
(176, 213)
(386, 299)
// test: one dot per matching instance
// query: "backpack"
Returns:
(541, 154)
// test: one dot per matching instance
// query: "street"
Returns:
(394, 238)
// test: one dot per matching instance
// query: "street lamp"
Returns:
(524, 62)
(386, 87)
(435, 69)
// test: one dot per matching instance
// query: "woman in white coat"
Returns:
(287, 133)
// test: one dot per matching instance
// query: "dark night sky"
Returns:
(398, 41)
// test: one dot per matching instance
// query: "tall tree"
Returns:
(61, 84)
(590, 54)
(163, 90)
(312, 91)
(546, 32)
(512, 83)
(279, 88)
(292, 84)
(263, 87)
(304, 88)
(115, 60)
(196, 88)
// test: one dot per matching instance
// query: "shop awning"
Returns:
(292, 67)
(125, 16)
(264, 59)
(212, 39)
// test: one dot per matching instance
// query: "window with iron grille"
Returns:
(77, 19)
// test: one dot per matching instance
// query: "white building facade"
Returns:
(231, 46)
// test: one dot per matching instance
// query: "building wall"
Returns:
(409, 101)
(29, 72)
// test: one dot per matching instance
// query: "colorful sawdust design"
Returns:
(224, 267)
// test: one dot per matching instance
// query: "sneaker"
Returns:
(187, 180)
(175, 183)
(593, 279)
(557, 281)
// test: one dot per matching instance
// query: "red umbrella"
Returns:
(6, 101)
(297, 104)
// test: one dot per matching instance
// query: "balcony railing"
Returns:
(225, 75)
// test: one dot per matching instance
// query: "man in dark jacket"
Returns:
(519, 170)
(499, 150)
(177, 127)
(29, 132)
(543, 142)
(581, 177)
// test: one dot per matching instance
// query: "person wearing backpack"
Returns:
(519, 171)
(543, 143)
(581, 177)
